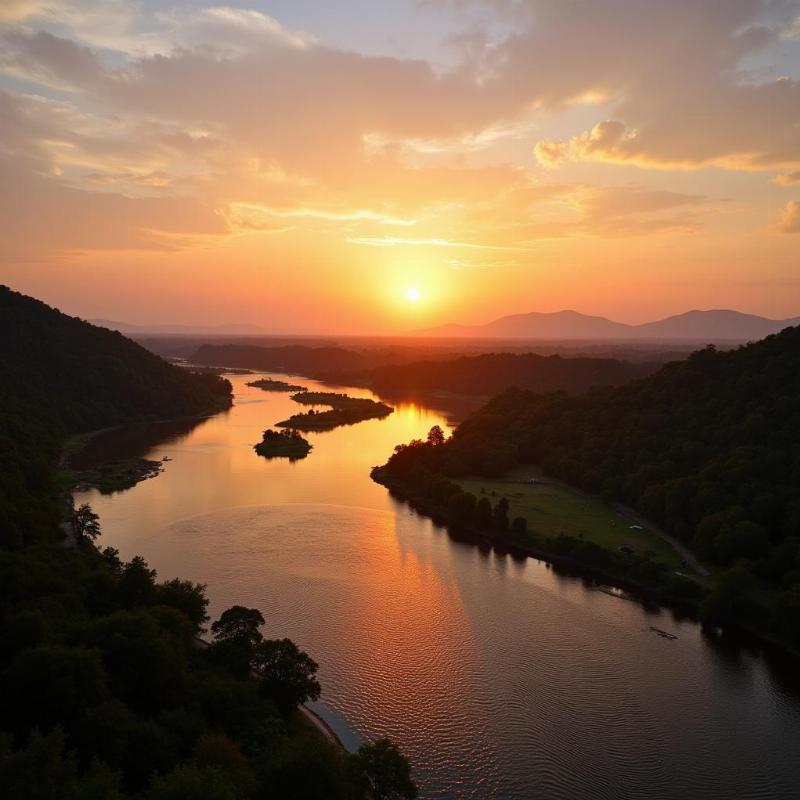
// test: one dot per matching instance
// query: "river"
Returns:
(499, 677)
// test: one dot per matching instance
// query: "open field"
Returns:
(552, 509)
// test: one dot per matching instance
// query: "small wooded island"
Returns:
(283, 444)
(344, 410)
(271, 385)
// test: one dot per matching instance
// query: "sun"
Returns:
(413, 294)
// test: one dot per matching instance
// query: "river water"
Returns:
(499, 677)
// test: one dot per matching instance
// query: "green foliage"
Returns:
(519, 527)
(287, 674)
(191, 782)
(730, 597)
(43, 770)
(105, 694)
(383, 771)
(85, 523)
(705, 447)
(239, 624)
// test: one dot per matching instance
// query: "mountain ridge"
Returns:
(710, 325)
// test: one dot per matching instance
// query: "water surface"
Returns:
(497, 676)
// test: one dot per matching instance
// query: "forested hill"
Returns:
(104, 692)
(59, 376)
(706, 447)
(298, 359)
(87, 377)
(494, 372)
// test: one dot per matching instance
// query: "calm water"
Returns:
(498, 677)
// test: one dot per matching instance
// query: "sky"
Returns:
(377, 166)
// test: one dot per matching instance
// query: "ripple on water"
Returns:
(498, 679)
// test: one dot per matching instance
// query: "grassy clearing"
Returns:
(552, 509)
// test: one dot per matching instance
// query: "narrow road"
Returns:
(684, 552)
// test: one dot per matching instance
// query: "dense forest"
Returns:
(707, 448)
(492, 373)
(299, 359)
(106, 691)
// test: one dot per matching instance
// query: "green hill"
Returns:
(707, 448)
(61, 376)
(105, 690)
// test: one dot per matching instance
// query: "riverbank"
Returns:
(516, 545)
(113, 459)
(686, 602)
(311, 717)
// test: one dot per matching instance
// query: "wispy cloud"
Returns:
(395, 241)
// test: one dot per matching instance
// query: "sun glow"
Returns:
(413, 294)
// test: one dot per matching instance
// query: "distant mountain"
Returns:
(700, 326)
(232, 329)
(714, 326)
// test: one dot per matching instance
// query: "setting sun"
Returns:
(413, 294)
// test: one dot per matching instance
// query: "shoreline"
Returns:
(640, 592)
(310, 716)
(321, 726)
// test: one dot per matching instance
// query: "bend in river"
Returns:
(498, 677)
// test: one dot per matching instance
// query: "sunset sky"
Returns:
(375, 166)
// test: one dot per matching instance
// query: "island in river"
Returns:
(283, 444)
(272, 385)
(344, 410)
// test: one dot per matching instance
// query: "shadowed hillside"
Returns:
(706, 448)
(105, 689)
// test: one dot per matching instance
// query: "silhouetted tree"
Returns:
(436, 436)
(239, 624)
(288, 675)
(500, 514)
(85, 523)
(383, 771)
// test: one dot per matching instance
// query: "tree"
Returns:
(461, 507)
(483, 514)
(189, 598)
(288, 675)
(137, 583)
(192, 783)
(730, 597)
(500, 514)
(223, 754)
(51, 684)
(436, 436)
(383, 771)
(239, 624)
(85, 523)
(520, 526)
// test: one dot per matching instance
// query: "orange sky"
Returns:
(301, 166)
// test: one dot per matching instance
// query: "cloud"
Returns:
(45, 216)
(395, 241)
(227, 108)
(787, 179)
(605, 141)
(790, 219)
(253, 215)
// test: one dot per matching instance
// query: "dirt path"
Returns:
(677, 545)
